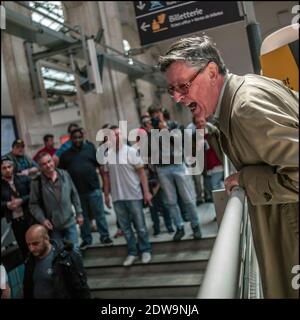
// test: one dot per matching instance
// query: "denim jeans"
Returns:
(173, 179)
(198, 187)
(69, 234)
(93, 202)
(217, 180)
(214, 181)
(160, 206)
(128, 212)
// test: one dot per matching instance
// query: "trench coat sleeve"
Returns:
(273, 133)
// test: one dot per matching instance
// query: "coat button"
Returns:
(267, 196)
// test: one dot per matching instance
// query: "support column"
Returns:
(33, 122)
(117, 101)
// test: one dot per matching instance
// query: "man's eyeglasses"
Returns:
(183, 88)
(77, 137)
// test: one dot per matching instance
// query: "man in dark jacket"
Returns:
(53, 269)
(15, 192)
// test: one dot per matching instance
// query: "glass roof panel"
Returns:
(52, 9)
(58, 80)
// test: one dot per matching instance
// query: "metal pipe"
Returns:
(222, 273)
(254, 34)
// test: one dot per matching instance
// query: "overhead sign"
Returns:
(161, 20)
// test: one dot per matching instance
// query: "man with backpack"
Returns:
(53, 269)
(51, 198)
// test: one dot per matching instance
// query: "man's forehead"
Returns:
(179, 70)
(35, 237)
(5, 165)
(46, 159)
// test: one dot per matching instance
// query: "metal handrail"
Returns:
(222, 274)
(233, 271)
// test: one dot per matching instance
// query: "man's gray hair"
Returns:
(196, 51)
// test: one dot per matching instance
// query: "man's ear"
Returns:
(212, 70)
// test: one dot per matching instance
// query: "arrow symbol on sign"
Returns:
(141, 5)
(144, 26)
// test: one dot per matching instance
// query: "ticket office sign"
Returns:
(161, 20)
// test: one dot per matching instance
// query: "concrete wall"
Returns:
(117, 101)
(273, 15)
(6, 107)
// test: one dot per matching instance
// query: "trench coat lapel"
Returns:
(233, 84)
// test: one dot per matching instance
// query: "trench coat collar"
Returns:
(233, 84)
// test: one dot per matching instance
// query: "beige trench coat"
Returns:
(259, 127)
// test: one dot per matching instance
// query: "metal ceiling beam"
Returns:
(23, 27)
(52, 91)
(71, 83)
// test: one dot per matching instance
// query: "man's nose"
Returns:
(178, 97)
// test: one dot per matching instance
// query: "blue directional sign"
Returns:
(161, 20)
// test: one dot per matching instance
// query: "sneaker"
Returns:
(171, 230)
(199, 202)
(179, 234)
(197, 233)
(107, 241)
(146, 257)
(129, 261)
(84, 245)
(156, 232)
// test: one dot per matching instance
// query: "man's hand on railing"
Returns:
(232, 181)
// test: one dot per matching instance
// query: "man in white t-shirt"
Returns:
(124, 180)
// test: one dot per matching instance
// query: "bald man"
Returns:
(53, 269)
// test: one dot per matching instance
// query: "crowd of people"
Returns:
(48, 195)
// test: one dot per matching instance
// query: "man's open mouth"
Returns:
(192, 106)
